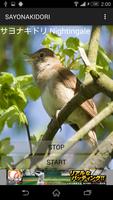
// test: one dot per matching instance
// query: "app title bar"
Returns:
(56, 16)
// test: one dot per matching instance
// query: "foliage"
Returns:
(5, 149)
(14, 93)
(104, 61)
(12, 49)
(68, 52)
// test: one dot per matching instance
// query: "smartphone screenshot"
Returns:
(56, 99)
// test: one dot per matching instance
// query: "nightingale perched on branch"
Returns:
(58, 85)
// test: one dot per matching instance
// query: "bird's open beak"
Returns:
(28, 58)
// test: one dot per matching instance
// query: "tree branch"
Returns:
(85, 92)
(93, 49)
(100, 156)
(94, 44)
(68, 109)
(101, 83)
(78, 136)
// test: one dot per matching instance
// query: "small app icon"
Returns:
(5, 4)
(56, 193)
(76, 3)
(25, 193)
(87, 192)
(15, 177)
(20, 4)
(13, 3)
(83, 4)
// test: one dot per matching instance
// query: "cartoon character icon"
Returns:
(15, 176)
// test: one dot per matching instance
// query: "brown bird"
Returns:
(58, 85)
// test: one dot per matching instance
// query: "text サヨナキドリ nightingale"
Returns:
(58, 85)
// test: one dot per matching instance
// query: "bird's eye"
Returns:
(41, 55)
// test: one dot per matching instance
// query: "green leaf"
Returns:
(19, 98)
(24, 80)
(19, 117)
(6, 114)
(54, 47)
(75, 64)
(32, 91)
(46, 42)
(82, 71)
(5, 161)
(5, 92)
(13, 98)
(6, 78)
(2, 124)
(72, 43)
(69, 52)
(10, 116)
(104, 61)
(12, 119)
(104, 54)
(28, 86)
(55, 38)
(23, 118)
(5, 147)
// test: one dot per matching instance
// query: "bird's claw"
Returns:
(56, 117)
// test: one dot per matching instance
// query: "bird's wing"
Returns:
(90, 107)
(70, 81)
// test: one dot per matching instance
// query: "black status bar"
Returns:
(56, 16)
(56, 4)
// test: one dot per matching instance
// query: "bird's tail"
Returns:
(92, 139)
